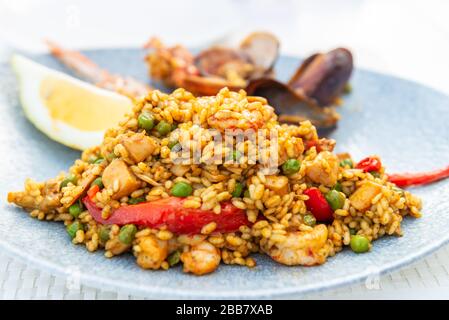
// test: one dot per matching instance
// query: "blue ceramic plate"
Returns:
(403, 122)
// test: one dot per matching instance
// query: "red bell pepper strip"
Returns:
(418, 178)
(318, 205)
(93, 191)
(170, 212)
(369, 164)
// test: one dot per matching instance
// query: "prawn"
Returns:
(305, 248)
(102, 78)
(202, 258)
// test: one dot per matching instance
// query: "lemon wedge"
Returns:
(67, 110)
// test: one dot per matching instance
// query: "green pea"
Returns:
(237, 190)
(181, 189)
(75, 209)
(338, 187)
(98, 161)
(104, 233)
(163, 128)
(111, 156)
(236, 155)
(127, 233)
(359, 244)
(174, 258)
(146, 121)
(335, 199)
(137, 200)
(98, 182)
(69, 179)
(172, 144)
(291, 166)
(309, 220)
(346, 163)
(375, 174)
(73, 228)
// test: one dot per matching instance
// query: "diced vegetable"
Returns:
(318, 205)
(419, 178)
(136, 200)
(146, 121)
(98, 182)
(163, 128)
(237, 190)
(181, 189)
(171, 213)
(93, 191)
(104, 234)
(127, 233)
(291, 166)
(369, 164)
(75, 209)
(363, 195)
(73, 228)
(99, 161)
(69, 179)
(346, 163)
(309, 220)
(335, 199)
(359, 244)
(174, 258)
(172, 144)
(338, 187)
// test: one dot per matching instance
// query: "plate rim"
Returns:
(99, 282)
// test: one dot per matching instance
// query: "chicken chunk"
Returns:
(126, 183)
(152, 252)
(362, 197)
(323, 169)
(139, 146)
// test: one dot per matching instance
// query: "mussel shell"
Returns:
(290, 106)
(323, 77)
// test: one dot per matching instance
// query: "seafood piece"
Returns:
(263, 49)
(215, 67)
(169, 64)
(291, 107)
(323, 169)
(323, 77)
(306, 248)
(201, 258)
(316, 84)
(90, 71)
(362, 197)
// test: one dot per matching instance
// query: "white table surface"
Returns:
(405, 38)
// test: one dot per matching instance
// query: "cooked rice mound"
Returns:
(134, 165)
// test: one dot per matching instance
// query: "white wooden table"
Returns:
(402, 37)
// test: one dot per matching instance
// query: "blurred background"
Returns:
(402, 37)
